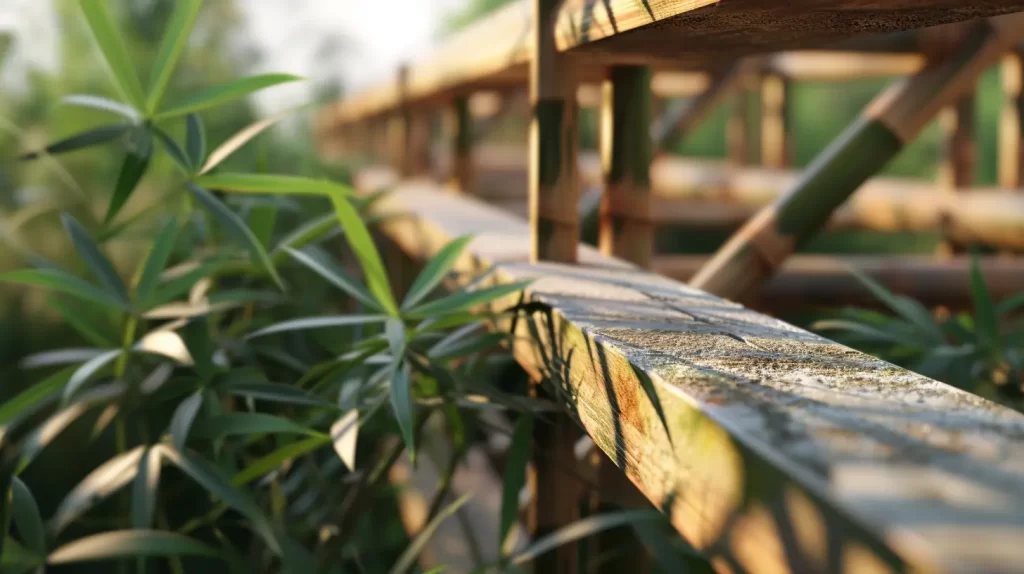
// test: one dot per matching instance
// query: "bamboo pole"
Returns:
(553, 145)
(889, 122)
(1011, 152)
(738, 127)
(774, 121)
(956, 169)
(625, 228)
(680, 117)
(403, 132)
(462, 166)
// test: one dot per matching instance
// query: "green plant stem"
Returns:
(127, 338)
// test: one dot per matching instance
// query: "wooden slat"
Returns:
(783, 451)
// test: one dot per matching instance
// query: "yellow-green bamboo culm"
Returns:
(625, 228)
(752, 255)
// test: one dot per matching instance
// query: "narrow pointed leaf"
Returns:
(196, 335)
(515, 475)
(25, 401)
(909, 309)
(329, 270)
(362, 245)
(195, 140)
(408, 558)
(177, 286)
(238, 229)
(132, 170)
(308, 233)
(272, 184)
(464, 300)
(581, 529)
(261, 221)
(27, 518)
(273, 392)
(81, 140)
(174, 150)
(94, 259)
(318, 323)
(214, 482)
(101, 103)
(402, 404)
(985, 317)
(345, 434)
(85, 324)
(248, 424)
(156, 260)
(216, 95)
(87, 370)
(435, 270)
(171, 46)
(144, 489)
(275, 459)
(99, 484)
(17, 559)
(104, 31)
(64, 282)
(235, 142)
(120, 544)
(184, 416)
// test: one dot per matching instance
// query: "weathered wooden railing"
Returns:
(770, 449)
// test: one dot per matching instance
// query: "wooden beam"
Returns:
(834, 66)
(956, 165)
(775, 142)
(780, 450)
(1011, 117)
(625, 228)
(891, 121)
(682, 116)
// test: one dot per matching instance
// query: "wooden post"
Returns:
(625, 141)
(774, 124)
(1011, 150)
(738, 268)
(553, 144)
(462, 156)
(680, 117)
(956, 168)
(403, 133)
(737, 129)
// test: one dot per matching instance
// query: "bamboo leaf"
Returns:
(88, 138)
(273, 392)
(581, 529)
(172, 288)
(470, 346)
(144, 489)
(359, 239)
(235, 142)
(464, 300)
(985, 318)
(515, 475)
(212, 480)
(132, 169)
(196, 335)
(318, 323)
(34, 395)
(402, 404)
(435, 270)
(238, 229)
(261, 220)
(27, 518)
(195, 140)
(345, 435)
(94, 259)
(64, 282)
(271, 184)
(324, 266)
(308, 233)
(87, 370)
(174, 150)
(409, 556)
(275, 459)
(83, 323)
(184, 416)
(16, 559)
(104, 31)
(910, 310)
(248, 424)
(129, 543)
(105, 104)
(217, 95)
(171, 46)
(103, 481)
(156, 260)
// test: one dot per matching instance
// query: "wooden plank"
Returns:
(891, 121)
(1011, 116)
(775, 144)
(821, 280)
(788, 452)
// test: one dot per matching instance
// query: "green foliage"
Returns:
(979, 352)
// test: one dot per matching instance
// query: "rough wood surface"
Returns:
(783, 451)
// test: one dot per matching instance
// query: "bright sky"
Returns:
(378, 35)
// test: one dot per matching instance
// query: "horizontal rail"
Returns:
(495, 51)
(777, 450)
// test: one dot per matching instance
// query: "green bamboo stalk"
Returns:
(893, 119)
(625, 229)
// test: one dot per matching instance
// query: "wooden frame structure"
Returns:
(770, 449)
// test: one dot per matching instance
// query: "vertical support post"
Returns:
(893, 119)
(626, 230)
(737, 128)
(403, 133)
(462, 156)
(774, 140)
(956, 169)
(554, 225)
(1011, 121)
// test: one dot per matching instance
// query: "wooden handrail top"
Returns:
(780, 450)
(494, 52)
